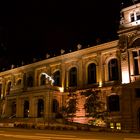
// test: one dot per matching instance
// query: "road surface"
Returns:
(34, 134)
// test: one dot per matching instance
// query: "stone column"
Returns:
(125, 68)
(32, 107)
(131, 63)
(80, 73)
(63, 76)
(6, 108)
(99, 68)
(67, 78)
(106, 72)
(84, 72)
(48, 105)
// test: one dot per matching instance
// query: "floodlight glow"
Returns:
(100, 84)
(49, 77)
(125, 77)
(61, 89)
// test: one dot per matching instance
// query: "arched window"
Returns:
(18, 82)
(136, 59)
(40, 112)
(42, 80)
(30, 81)
(26, 109)
(56, 78)
(113, 103)
(8, 88)
(73, 77)
(91, 73)
(55, 106)
(113, 70)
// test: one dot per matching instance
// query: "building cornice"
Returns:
(64, 57)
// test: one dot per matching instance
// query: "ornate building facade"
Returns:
(40, 89)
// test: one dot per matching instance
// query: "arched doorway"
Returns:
(40, 106)
(55, 106)
(138, 118)
(114, 103)
(26, 109)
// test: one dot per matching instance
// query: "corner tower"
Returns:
(129, 43)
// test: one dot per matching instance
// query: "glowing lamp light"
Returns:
(125, 77)
(100, 84)
(61, 89)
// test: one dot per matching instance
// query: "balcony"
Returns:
(20, 89)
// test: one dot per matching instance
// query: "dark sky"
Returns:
(30, 29)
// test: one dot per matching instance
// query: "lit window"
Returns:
(112, 125)
(118, 126)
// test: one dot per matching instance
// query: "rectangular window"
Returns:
(137, 92)
(112, 125)
(138, 15)
(136, 68)
(132, 17)
(118, 126)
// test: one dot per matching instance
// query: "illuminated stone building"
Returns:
(112, 67)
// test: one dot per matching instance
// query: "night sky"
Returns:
(31, 29)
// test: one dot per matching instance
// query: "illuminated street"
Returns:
(22, 134)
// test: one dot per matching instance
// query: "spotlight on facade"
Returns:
(61, 89)
(125, 77)
(100, 84)
(48, 77)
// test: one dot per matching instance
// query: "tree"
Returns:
(93, 105)
(71, 106)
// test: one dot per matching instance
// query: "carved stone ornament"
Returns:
(123, 43)
(123, 56)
